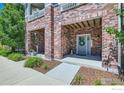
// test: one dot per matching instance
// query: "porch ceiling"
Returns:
(83, 24)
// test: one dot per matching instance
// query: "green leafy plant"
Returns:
(78, 78)
(33, 62)
(45, 66)
(16, 56)
(113, 83)
(12, 26)
(97, 82)
(112, 31)
(4, 52)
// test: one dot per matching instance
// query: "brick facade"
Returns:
(56, 42)
(69, 39)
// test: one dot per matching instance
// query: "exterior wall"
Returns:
(55, 19)
(36, 24)
(88, 12)
(69, 39)
(109, 42)
(83, 13)
(57, 33)
(44, 22)
(33, 26)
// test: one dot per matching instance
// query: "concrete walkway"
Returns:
(91, 61)
(64, 72)
(87, 61)
(13, 73)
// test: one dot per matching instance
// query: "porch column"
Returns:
(27, 34)
(27, 41)
(49, 32)
(58, 54)
(109, 44)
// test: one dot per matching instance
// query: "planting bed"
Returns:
(50, 65)
(89, 76)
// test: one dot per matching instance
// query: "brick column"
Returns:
(57, 34)
(108, 41)
(49, 32)
(27, 41)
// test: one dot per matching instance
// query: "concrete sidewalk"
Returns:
(64, 72)
(13, 73)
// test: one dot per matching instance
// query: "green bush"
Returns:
(33, 62)
(4, 52)
(16, 56)
(78, 78)
(97, 82)
(113, 83)
(45, 66)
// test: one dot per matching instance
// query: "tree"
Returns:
(112, 31)
(12, 26)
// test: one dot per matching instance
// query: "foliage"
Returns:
(12, 29)
(113, 83)
(118, 35)
(113, 31)
(16, 56)
(97, 82)
(4, 52)
(33, 62)
(45, 66)
(78, 78)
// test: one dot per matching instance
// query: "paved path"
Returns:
(87, 61)
(64, 72)
(13, 73)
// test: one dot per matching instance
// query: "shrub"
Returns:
(33, 62)
(97, 82)
(45, 66)
(16, 56)
(4, 52)
(78, 79)
(113, 83)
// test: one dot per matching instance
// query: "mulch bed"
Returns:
(89, 75)
(51, 64)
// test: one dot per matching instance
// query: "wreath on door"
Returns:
(81, 41)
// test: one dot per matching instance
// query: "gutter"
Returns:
(119, 29)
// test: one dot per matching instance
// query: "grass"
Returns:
(78, 79)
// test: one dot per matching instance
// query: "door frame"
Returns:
(77, 36)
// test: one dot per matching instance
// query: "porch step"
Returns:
(64, 72)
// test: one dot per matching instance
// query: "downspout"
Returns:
(119, 29)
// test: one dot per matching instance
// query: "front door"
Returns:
(83, 44)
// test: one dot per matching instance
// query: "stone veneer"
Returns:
(55, 19)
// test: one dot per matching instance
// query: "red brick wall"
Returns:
(54, 20)
(49, 32)
(36, 24)
(69, 39)
(83, 13)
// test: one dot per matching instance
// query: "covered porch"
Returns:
(83, 38)
(37, 41)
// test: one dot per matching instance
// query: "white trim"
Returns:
(77, 36)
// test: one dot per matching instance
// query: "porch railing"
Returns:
(67, 6)
(36, 15)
